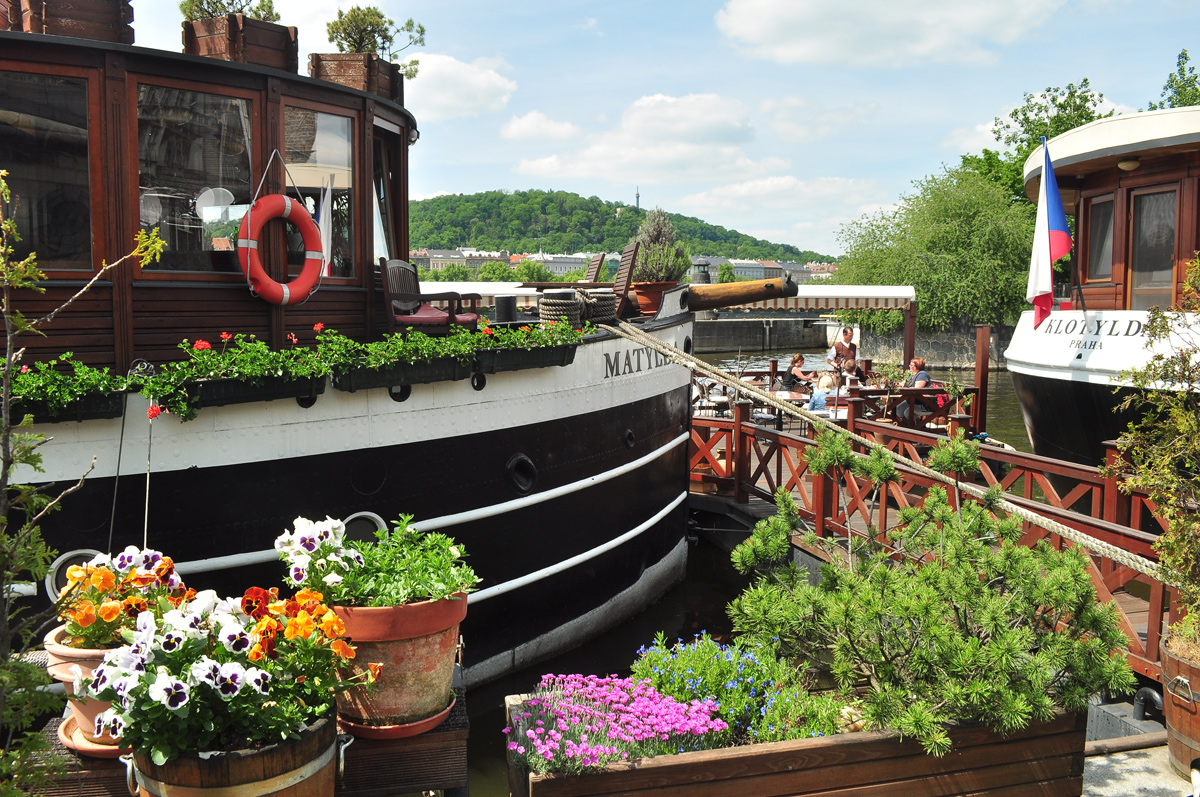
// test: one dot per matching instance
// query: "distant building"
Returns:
(558, 265)
(771, 269)
(419, 258)
(747, 269)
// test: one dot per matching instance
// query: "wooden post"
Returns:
(741, 451)
(910, 334)
(854, 409)
(822, 503)
(1116, 503)
(983, 353)
(772, 372)
(959, 421)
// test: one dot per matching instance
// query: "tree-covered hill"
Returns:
(558, 221)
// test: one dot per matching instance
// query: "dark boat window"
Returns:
(382, 210)
(320, 146)
(1152, 259)
(193, 175)
(44, 148)
(1100, 240)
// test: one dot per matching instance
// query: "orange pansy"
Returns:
(84, 613)
(76, 574)
(301, 626)
(332, 625)
(103, 579)
(342, 650)
(109, 611)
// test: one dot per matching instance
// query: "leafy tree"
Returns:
(1182, 87)
(454, 272)
(574, 275)
(533, 271)
(661, 258)
(958, 240)
(367, 30)
(725, 273)
(494, 271)
(209, 9)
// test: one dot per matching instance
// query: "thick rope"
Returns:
(1107, 550)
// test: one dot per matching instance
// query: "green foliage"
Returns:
(494, 271)
(45, 382)
(575, 275)
(367, 30)
(969, 627)
(661, 258)
(725, 273)
(959, 241)
(769, 544)
(406, 565)
(761, 697)
(1182, 87)
(1002, 168)
(958, 457)
(1162, 447)
(532, 271)
(209, 9)
(559, 221)
(1050, 113)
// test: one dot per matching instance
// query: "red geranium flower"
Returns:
(292, 337)
(201, 345)
(486, 330)
(317, 327)
(525, 328)
(226, 336)
(153, 411)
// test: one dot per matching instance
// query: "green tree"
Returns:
(367, 30)
(1182, 87)
(533, 271)
(574, 275)
(661, 257)
(725, 273)
(957, 240)
(494, 271)
(454, 272)
(209, 9)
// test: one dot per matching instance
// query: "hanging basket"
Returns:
(492, 361)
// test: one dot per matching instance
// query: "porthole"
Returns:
(56, 578)
(361, 526)
(687, 344)
(478, 381)
(522, 473)
(400, 392)
(630, 438)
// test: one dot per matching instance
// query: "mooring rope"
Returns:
(1107, 550)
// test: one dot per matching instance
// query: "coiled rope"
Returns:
(1107, 550)
(583, 306)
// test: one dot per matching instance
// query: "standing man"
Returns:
(844, 354)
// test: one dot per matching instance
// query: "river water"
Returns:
(698, 604)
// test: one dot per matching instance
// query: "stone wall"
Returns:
(758, 334)
(952, 349)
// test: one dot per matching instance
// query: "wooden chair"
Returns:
(411, 308)
(595, 267)
(626, 305)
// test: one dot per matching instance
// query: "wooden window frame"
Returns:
(1131, 195)
(1084, 223)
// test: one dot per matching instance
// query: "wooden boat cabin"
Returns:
(102, 139)
(1133, 184)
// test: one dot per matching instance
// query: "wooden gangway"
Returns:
(748, 462)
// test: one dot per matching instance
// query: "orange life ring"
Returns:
(278, 206)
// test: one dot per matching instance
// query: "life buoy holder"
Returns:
(278, 206)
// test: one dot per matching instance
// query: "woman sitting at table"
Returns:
(917, 377)
(796, 373)
(826, 385)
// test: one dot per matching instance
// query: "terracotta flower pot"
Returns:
(416, 644)
(649, 295)
(60, 658)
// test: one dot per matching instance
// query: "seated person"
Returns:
(854, 368)
(917, 377)
(795, 373)
(826, 385)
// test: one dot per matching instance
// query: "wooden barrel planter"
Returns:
(236, 37)
(363, 71)
(1046, 758)
(1181, 708)
(101, 20)
(305, 766)
(416, 643)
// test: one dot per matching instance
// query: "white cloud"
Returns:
(663, 139)
(971, 139)
(888, 33)
(535, 126)
(448, 88)
(590, 24)
(796, 121)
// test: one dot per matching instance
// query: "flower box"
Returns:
(85, 408)
(491, 361)
(219, 392)
(236, 37)
(363, 71)
(441, 369)
(101, 20)
(1046, 758)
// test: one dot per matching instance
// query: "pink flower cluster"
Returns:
(578, 721)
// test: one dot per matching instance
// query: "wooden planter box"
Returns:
(443, 369)
(236, 37)
(363, 71)
(491, 361)
(85, 408)
(219, 392)
(1045, 759)
(102, 20)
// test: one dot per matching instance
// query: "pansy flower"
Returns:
(169, 691)
(231, 679)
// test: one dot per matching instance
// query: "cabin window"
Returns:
(320, 148)
(193, 175)
(44, 147)
(382, 210)
(1100, 240)
(1152, 258)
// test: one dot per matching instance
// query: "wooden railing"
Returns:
(747, 460)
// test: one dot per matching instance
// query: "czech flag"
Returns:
(1051, 240)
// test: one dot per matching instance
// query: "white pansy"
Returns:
(332, 579)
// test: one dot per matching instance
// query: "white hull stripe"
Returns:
(262, 557)
(566, 564)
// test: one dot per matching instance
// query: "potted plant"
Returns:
(99, 605)
(527, 346)
(365, 39)
(401, 598)
(221, 693)
(65, 389)
(662, 261)
(411, 359)
(1161, 452)
(102, 20)
(239, 30)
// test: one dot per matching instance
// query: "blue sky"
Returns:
(780, 118)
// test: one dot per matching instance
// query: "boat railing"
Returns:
(748, 461)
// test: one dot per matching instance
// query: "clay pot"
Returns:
(416, 644)
(649, 295)
(60, 658)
